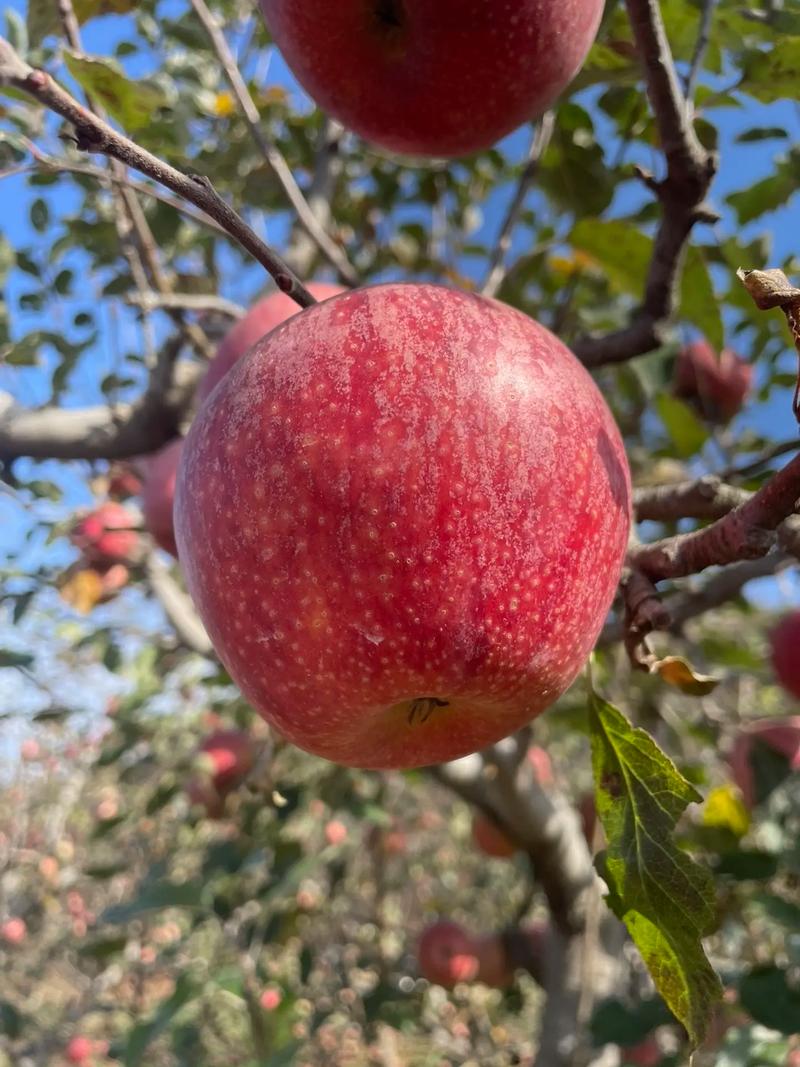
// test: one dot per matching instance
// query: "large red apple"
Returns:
(260, 319)
(447, 954)
(106, 535)
(158, 494)
(785, 641)
(402, 518)
(716, 384)
(441, 78)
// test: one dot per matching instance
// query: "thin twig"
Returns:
(682, 194)
(95, 135)
(332, 252)
(150, 301)
(701, 44)
(497, 268)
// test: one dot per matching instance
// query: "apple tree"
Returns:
(400, 497)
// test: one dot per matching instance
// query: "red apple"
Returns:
(786, 653)
(106, 535)
(80, 1049)
(270, 999)
(403, 518)
(494, 966)
(490, 838)
(435, 79)
(13, 931)
(645, 1054)
(260, 319)
(158, 493)
(30, 750)
(542, 766)
(226, 757)
(781, 734)
(447, 954)
(717, 384)
(123, 481)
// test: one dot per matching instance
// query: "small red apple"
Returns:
(780, 734)
(80, 1049)
(14, 931)
(447, 954)
(490, 838)
(644, 1054)
(106, 535)
(335, 832)
(441, 78)
(264, 316)
(717, 384)
(123, 481)
(270, 999)
(542, 766)
(30, 750)
(786, 653)
(402, 518)
(226, 757)
(158, 494)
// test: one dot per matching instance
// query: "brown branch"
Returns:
(150, 301)
(103, 432)
(706, 498)
(682, 193)
(95, 135)
(310, 222)
(497, 269)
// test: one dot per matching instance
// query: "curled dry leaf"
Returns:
(679, 673)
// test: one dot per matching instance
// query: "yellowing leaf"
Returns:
(82, 590)
(724, 810)
(224, 105)
(275, 94)
(679, 673)
(130, 103)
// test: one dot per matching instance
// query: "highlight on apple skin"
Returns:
(402, 517)
(262, 317)
(439, 79)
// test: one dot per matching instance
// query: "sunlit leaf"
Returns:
(131, 103)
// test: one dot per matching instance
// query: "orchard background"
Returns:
(253, 905)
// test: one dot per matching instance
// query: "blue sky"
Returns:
(743, 165)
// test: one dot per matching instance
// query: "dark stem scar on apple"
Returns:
(422, 708)
(390, 13)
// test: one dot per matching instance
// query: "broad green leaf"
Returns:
(772, 998)
(132, 104)
(699, 304)
(619, 248)
(772, 74)
(762, 133)
(626, 1025)
(664, 898)
(686, 431)
(155, 896)
(42, 20)
(764, 196)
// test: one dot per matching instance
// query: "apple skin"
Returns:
(158, 494)
(80, 1049)
(259, 320)
(645, 1054)
(780, 734)
(14, 931)
(106, 535)
(447, 954)
(491, 839)
(717, 385)
(402, 518)
(228, 757)
(785, 640)
(436, 79)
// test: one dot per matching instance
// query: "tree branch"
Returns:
(95, 135)
(703, 38)
(178, 607)
(706, 498)
(497, 269)
(149, 301)
(682, 193)
(310, 222)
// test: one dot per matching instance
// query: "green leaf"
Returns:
(772, 74)
(664, 898)
(769, 996)
(42, 20)
(40, 215)
(143, 1034)
(698, 302)
(14, 659)
(686, 431)
(762, 133)
(626, 1025)
(103, 948)
(155, 896)
(89, 9)
(619, 248)
(11, 1022)
(131, 103)
(767, 195)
